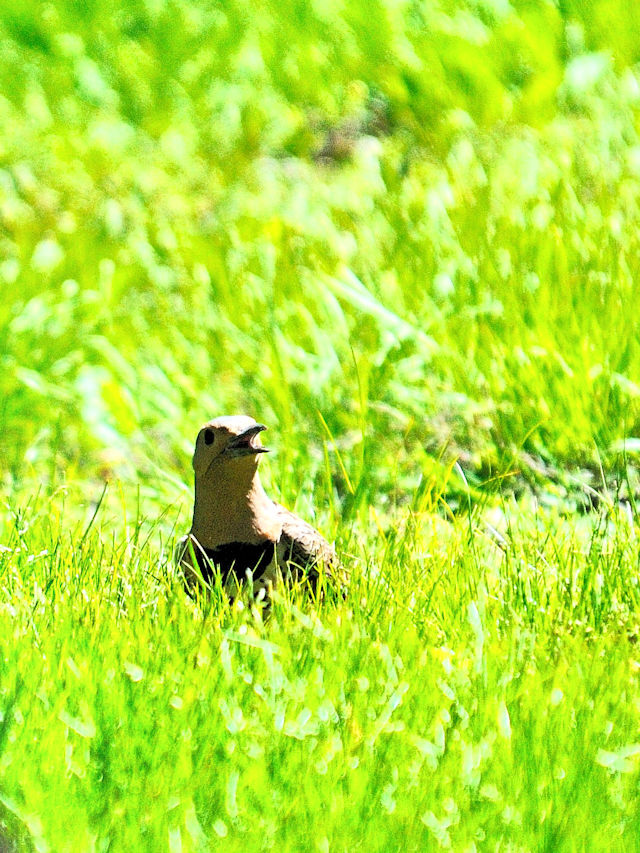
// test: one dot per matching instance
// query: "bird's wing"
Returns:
(307, 546)
(304, 550)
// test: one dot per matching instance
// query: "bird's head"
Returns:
(233, 440)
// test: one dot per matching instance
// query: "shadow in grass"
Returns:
(14, 836)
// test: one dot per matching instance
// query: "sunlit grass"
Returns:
(467, 691)
(405, 237)
(190, 230)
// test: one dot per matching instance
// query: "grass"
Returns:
(406, 238)
(478, 687)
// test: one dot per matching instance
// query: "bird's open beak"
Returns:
(244, 444)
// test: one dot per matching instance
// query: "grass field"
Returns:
(406, 237)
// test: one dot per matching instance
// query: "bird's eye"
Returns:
(208, 436)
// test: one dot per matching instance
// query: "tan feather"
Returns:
(237, 530)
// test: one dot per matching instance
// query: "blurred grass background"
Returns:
(416, 222)
(405, 236)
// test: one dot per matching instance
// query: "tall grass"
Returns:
(476, 688)
(405, 237)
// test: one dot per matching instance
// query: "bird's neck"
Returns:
(232, 506)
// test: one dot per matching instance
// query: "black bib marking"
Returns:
(236, 557)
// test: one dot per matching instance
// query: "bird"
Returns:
(237, 530)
